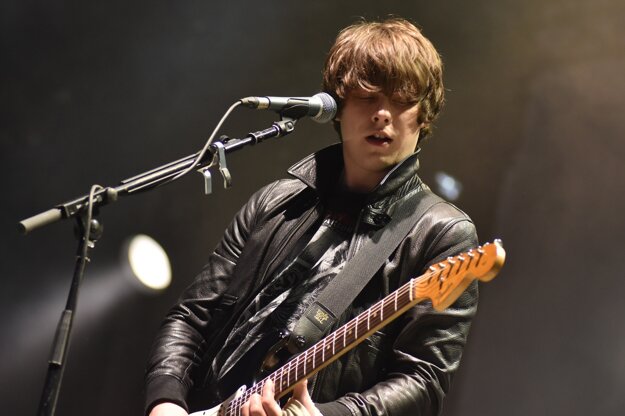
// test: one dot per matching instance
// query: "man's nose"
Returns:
(381, 116)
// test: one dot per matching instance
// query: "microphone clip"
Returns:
(219, 159)
(219, 148)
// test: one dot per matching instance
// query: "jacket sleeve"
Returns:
(181, 340)
(427, 350)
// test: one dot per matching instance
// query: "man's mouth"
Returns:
(378, 139)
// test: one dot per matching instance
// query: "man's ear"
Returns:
(419, 136)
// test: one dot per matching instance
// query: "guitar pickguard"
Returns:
(220, 409)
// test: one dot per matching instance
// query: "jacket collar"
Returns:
(321, 171)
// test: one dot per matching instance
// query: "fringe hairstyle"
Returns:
(392, 57)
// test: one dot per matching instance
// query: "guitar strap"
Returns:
(349, 282)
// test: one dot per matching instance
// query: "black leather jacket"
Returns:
(403, 369)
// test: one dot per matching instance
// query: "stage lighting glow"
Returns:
(448, 186)
(149, 262)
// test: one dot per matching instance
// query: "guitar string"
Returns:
(304, 356)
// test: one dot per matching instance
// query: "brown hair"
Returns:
(391, 56)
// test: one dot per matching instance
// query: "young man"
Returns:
(295, 235)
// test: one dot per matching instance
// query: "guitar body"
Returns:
(220, 409)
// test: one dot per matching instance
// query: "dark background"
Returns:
(94, 92)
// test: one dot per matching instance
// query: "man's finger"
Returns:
(300, 393)
(272, 408)
(256, 406)
(245, 409)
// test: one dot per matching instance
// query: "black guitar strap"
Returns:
(357, 272)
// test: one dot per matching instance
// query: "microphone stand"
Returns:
(83, 208)
(90, 231)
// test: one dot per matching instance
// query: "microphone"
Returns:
(320, 107)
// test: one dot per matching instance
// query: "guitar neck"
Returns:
(334, 345)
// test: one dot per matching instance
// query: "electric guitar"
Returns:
(442, 283)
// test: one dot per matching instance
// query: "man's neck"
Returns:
(362, 182)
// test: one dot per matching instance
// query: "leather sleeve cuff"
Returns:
(333, 409)
(164, 388)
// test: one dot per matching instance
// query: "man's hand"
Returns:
(300, 404)
(168, 409)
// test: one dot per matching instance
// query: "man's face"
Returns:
(378, 132)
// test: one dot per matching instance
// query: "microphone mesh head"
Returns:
(328, 108)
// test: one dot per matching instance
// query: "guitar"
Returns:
(442, 283)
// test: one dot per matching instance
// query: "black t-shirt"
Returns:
(281, 303)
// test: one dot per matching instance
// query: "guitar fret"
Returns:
(395, 301)
(374, 309)
(411, 289)
(356, 327)
(323, 351)
(333, 341)
(368, 319)
(305, 359)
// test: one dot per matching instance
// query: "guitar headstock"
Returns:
(445, 281)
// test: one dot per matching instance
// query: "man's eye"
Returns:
(403, 103)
